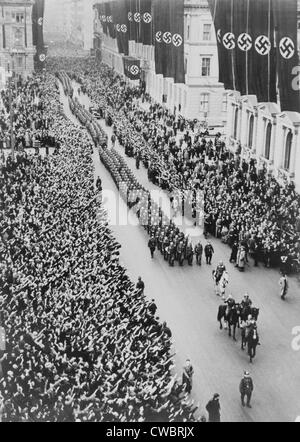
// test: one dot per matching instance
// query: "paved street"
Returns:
(186, 300)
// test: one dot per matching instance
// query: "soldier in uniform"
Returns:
(190, 253)
(165, 246)
(172, 252)
(198, 253)
(152, 246)
(246, 389)
(208, 250)
(219, 271)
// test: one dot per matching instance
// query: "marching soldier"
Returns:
(209, 251)
(219, 271)
(198, 253)
(190, 253)
(172, 251)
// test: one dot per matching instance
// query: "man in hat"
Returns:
(246, 389)
(213, 408)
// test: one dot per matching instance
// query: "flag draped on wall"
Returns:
(245, 37)
(168, 36)
(285, 12)
(132, 68)
(146, 22)
(109, 19)
(243, 45)
(262, 81)
(120, 12)
(38, 32)
(177, 46)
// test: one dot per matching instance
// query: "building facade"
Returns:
(202, 96)
(16, 48)
(261, 131)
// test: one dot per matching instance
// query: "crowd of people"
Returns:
(244, 205)
(31, 124)
(82, 341)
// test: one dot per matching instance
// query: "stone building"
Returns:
(16, 48)
(265, 133)
(202, 96)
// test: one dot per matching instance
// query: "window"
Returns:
(185, 66)
(268, 141)
(207, 32)
(19, 17)
(205, 71)
(225, 103)
(288, 151)
(188, 32)
(236, 121)
(250, 133)
(18, 37)
(204, 102)
(19, 62)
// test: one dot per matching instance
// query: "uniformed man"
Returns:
(152, 246)
(246, 389)
(198, 253)
(219, 271)
(208, 250)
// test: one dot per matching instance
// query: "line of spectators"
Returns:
(243, 204)
(82, 343)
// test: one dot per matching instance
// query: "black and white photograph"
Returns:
(149, 214)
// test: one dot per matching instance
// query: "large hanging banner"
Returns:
(102, 16)
(177, 47)
(146, 22)
(120, 17)
(285, 14)
(109, 19)
(262, 62)
(159, 12)
(227, 42)
(131, 23)
(38, 33)
(132, 68)
(243, 46)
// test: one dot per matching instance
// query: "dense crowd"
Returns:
(243, 204)
(32, 126)
(82, 342)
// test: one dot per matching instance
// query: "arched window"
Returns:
(236, 120)
(268, 141)
(250, 133)
(288, 151)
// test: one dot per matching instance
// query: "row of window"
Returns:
(206, 33)
(204, 102)
(268, 138)
(205, 66)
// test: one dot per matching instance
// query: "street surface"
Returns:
(186, 300)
